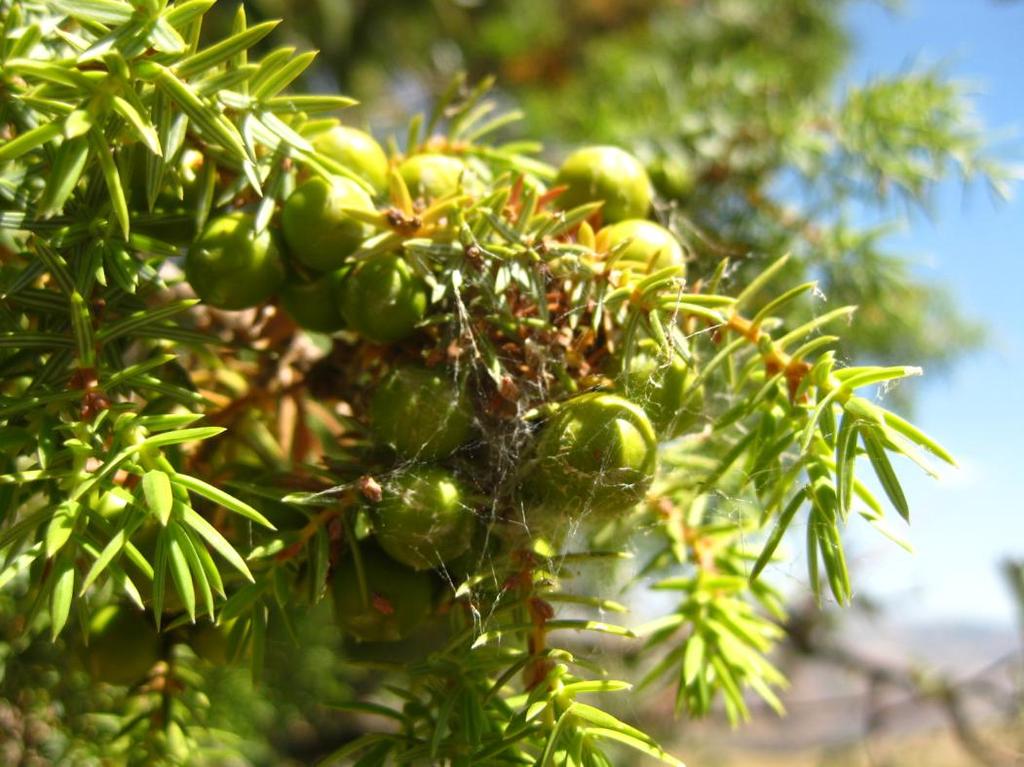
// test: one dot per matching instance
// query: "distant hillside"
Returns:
(831, 709)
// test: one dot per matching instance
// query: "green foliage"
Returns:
(217, 466)
(733, 106)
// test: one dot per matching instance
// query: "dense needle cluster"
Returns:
(430, 411)
(252, 360)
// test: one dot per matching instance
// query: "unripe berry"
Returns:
(231, 267)
(358, 151)
(651, 246)
(422, 519)
(421, 413)
(383, 299)
(605, 174)
(123, 645)
(431, 176)
(316, 305)
(213, 642)
(395, 601)
(318, 231)
(673, 177)
(597, 455)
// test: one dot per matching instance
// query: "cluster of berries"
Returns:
(594, 452)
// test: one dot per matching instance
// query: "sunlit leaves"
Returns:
(112, 176)
(156, 485)
(61, 594)
(218, 53)
(147, 128)
(71, 160)
(927, 128)
(885, 473)
(724, 649)
(180, 558)
(58, 531)
(26, 142)
(101, 11)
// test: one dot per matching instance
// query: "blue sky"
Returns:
(964, 524)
